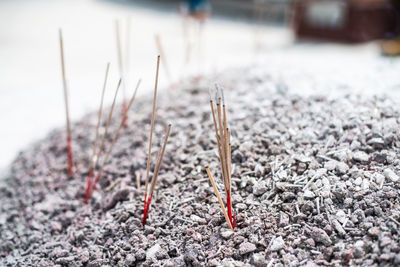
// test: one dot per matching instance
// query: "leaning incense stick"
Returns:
(162, 54)
(100, 112)
(88, 191)
(103, 138)
(155, 176)
(69, 146)
(91, 163)
(153, 114)
(115, 137)
(221, 203)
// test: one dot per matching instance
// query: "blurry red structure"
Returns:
(345, 20)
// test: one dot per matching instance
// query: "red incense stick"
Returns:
(69, 146)
(92, 163)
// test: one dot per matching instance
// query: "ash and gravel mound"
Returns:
(315, 182)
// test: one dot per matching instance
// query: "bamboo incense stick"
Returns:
(127, 44)
(100, 112)
(121, 66)
(91, 163)
(159, 161)
(115, 137)
(221, 203)
(151, 131)
(88, 191)
(155, 176)
(69, 146)
(103, 138)
(119, 49)
(162, 54)
(126, 64)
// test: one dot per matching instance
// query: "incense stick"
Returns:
(221, 203)
(155, 175)
(91, 163)
(159, 161)
(119, 50)
(100, 112)
(69, 146)
(121, 66)
(89, 186)
(127, 44)
(103, 138)
(153, 114)
(162, 54)
(115, 137)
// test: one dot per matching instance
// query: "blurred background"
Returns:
(327, 47)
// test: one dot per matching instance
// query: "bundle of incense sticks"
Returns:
(69, 146)
(222, 135)
(160, 155)
(90, 187)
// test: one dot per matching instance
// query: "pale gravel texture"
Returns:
(309, 185)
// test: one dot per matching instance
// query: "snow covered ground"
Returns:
(31, 99)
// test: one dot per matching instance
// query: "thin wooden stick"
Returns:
(216, 130)
(91, 163)
(119, 49)
(155, 176)
(221, 134)
(158, 163)
(121, 65)
(127, 44)
(115, 137)
(162, 54)
(153, 114)
(103, 138)
(221, 203)
(69, 146)
(100, 112)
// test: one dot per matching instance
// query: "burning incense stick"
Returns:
(91, 163)
(153, 114)
(162, 54)
(222, 135)
(155, 176)
(115, 137)
(69, 146)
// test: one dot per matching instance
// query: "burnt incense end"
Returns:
(222, 135)
(69, 146)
